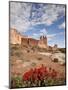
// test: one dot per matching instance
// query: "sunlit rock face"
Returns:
(55, 47)
(15, 37)
(42, 42)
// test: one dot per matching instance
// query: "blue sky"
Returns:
(34, 20)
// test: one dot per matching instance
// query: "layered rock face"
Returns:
(17, 38)
(42, 42)
(29, 41)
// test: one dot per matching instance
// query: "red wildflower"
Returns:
(28, 75)
(39, 73)
(54, 73)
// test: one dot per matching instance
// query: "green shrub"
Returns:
(33, 64)
(16, 82)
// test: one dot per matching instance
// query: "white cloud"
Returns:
(51, 14)
(37, 35)
(62, 26)
(43, 32)
(52, 36)
(20, 14)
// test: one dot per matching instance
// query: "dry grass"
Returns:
(19, 56)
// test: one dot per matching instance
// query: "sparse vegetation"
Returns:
(41, 49)
(16, 51)
(16, 82)
(63, 50)
(25, 46)
(33, 64)
(36, 48)
(28, 60)
(14, 46)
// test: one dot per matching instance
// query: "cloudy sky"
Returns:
(36, 19)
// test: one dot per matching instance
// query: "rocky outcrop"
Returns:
(29, 42)
(15, 37)
(42, 42)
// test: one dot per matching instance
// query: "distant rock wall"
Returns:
(17, 38)
(29, 41)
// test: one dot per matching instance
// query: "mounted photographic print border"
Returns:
(37, 44)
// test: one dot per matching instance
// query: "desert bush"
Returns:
(33, 64)
(28, 51)
(39, 58)
(34, 48)
(17, 53)
(25, 46)
(16, 82)
(15, 50)
(15, 46)
(62, 50)
(55, 60)
(11, 53)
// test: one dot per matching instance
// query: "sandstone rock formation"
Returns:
(29, 41)
(42, 42)
(17, 38)
(55, 48)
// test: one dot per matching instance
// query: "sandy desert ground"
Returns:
(22, 59)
